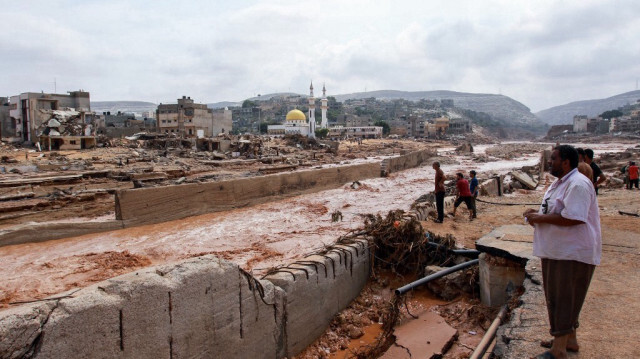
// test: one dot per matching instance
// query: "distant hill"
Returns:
(501, 107)
(122, 106)
(223, 104)
(560, 115)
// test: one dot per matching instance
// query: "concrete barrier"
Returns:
(151, 205)
(318, 288)
(40, 232)
(403, 162)
(203, 307)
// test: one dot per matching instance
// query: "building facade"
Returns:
(188, 119)
(30, 111)
(355, 132)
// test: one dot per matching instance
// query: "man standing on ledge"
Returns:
(568, 240)
(439, 190)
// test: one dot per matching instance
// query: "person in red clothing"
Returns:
(633, 175)
(463, 195)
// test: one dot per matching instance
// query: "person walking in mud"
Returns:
(473, 187)
(463, 195)
(568, 240)
(439, 191)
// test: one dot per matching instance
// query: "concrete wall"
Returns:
(323, 286)
(411, 160)
(159, 204)
(40, 232)
(203, 307)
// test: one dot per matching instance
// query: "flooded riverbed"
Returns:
(255, 238)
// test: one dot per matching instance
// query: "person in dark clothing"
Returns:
(598, 176)
(439, 191)
(473, 187)
(464, 195)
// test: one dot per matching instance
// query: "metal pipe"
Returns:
(471, 253)
(489, 335)
(433, 276)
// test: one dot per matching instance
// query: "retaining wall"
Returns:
(160, 204)
(318, 288)
(203, 307)
(403, 162)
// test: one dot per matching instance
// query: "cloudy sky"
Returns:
(542, 53)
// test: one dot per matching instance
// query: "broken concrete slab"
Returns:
(40, 180)
(425, 337)
(513, 242)
(525, 179)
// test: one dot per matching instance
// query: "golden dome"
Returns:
(296, 115)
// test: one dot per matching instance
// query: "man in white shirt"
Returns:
(568, 240)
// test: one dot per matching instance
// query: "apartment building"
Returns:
(187, 118)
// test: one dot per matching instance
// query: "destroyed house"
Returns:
(31, 112)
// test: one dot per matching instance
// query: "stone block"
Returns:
(87, 325)
(498, 279)
(144, 314)
(21, 329)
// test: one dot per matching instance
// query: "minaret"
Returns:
(324, 123)
(312, 112)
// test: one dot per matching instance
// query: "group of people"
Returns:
(466, 191)
(567, 237)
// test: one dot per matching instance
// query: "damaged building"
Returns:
(56, 121)
(188, 119)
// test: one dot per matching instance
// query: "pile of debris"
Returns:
(515, 150)
(64, 122)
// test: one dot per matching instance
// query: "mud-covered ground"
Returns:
(263, 236)
(360, 323)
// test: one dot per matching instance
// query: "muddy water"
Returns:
(419, 302)
(255, 238)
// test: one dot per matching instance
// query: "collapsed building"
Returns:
(55, 121)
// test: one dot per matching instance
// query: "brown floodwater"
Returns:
(256, 238)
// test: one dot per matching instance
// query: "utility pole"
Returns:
(55, 88)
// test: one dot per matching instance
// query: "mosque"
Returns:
(296, 120)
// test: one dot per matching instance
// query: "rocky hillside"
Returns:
(502, 108)
(561, 115)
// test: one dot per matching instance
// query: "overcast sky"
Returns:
(541, 53)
